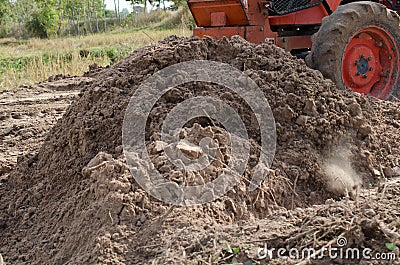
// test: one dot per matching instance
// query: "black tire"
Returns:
(335, 33)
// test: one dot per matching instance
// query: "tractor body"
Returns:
(291, 24)
(288, 24)
(259, 21)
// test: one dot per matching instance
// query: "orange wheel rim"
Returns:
(371, 62)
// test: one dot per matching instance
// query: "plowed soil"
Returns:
(71, 199)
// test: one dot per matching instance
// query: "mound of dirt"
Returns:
(75, 201)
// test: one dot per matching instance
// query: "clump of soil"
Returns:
(190, 144)
(75, 202)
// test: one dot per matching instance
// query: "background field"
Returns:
(28, 61)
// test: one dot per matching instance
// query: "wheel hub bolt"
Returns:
(357, 74)
(362, 56)
(365, 76)
(369, 59)
(380, 44)
(370, 69)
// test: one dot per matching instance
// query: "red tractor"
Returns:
(354, 43)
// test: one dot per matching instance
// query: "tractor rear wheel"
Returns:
(358, 48)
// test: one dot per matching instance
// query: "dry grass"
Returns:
(133, 38)
(38, 68)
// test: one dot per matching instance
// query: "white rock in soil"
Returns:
(159, 146)
(376, 172)
(189, 149)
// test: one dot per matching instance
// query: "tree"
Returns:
(104, 15)
(117, 10)
(44, 18)
(43, 22)
(94, 5)
(4, 9)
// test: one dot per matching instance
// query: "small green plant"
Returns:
(390, 246)
(232, 250)
(231, 253)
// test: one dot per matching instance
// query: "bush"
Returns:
(42, 23)
(178, 19)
